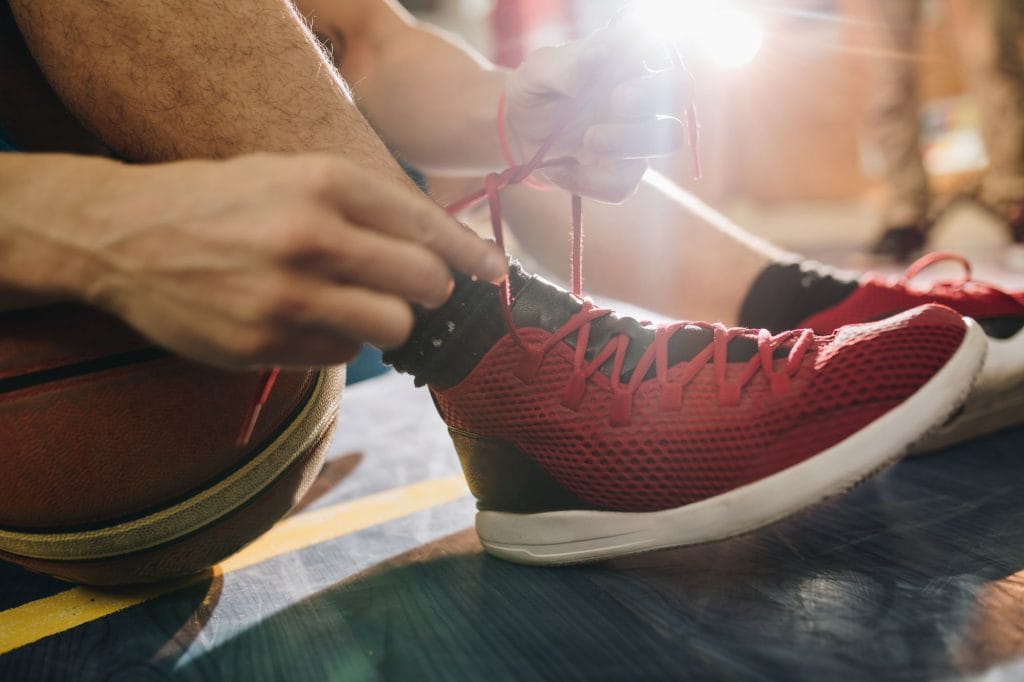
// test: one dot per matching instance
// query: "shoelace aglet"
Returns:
(693, 138)
(249, 425)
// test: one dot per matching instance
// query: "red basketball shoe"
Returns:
(997, 401)
(585, 436)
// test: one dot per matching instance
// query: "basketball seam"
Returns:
(44, 378)
(60, 361)
(293, 412)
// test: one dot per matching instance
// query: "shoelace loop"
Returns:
(928, 260)
(949, 287)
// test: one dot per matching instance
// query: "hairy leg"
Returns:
(30, 111)
(197, 78)
(186, 79)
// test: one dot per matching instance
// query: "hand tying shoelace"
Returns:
(657, 353)
(584, 435)
(494, 183)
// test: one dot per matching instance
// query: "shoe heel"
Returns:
(503, 478)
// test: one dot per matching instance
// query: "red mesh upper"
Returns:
(668, 458)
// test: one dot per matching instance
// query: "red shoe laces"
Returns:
(656, 354)
(949, 287)
(671, 396)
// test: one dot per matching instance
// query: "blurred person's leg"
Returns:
(893, 125)
(990, 34)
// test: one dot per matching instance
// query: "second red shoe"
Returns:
(997, 401)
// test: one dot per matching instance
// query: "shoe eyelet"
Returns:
(573, 397)
(780, 383)
(729, 395)
(621, 408)
(671, 398)
(529, 366)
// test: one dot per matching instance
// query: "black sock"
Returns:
(786, 294)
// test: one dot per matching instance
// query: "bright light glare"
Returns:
(670, 20)
(729, 37)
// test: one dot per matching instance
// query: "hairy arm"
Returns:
(35, 258)
(261, 259)
(435, 100)
(281, 259)
(431, 96)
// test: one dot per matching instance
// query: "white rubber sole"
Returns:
(567, 537)
(995, 403)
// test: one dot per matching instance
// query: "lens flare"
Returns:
(731, 38)
(726, 36)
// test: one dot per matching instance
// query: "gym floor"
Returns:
(916, 575)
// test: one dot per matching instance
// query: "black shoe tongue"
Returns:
(447, 343)
(541, 304)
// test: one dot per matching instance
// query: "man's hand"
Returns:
(260, 260)
(626, 112)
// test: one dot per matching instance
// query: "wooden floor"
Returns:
(918, 574)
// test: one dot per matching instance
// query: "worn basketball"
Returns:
(120, 462)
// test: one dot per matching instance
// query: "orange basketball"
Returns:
(119, 461)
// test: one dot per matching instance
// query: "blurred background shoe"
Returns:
(901, 242)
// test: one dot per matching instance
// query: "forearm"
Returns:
(432, 98)
(48, 247)
(197, 78)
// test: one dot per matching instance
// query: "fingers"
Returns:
(666, 93)
(384, 321)
(660, 137)
(318, 349)
(350, 312)
(371, 202)
(383, 263)
(306, 321)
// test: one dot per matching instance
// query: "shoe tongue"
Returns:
(538, 303)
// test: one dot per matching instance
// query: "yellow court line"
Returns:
(28, 623)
